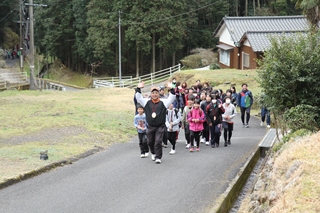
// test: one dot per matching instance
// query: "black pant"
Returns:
(155, 137)
(187, 132)
(215, 135)
(143, 143)
(205, 131)
(195, 136)
(247, 112)
(227, 131)
(172, 137)
(165, 136)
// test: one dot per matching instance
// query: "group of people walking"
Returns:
(11, 54)
(202, 112)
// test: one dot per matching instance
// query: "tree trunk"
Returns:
(174, 59)
(141, 63)
(153, 53)
(237, 7)
(246, 8)
(137, 61)
(160, 59)
(165, 58)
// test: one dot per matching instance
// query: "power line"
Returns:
(12, 11)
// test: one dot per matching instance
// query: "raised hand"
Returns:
(169, 85)
(141, 84)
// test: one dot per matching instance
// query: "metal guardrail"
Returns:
(48, 85)
(129, 81)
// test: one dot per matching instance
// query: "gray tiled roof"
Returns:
(237, 26)
(260, 41)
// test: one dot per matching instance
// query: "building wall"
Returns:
(225, 37)
(232, 58)
(252, 55)
(236, 53)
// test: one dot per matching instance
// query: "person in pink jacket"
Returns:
(196, 117)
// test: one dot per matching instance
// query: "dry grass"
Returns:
(299, 192)
(295, 177)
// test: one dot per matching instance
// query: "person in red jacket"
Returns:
(196, 117)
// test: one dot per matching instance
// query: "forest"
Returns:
(150, 35)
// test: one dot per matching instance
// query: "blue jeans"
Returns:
(265, 113)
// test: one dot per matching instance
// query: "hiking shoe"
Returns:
(207, 143)
(188, 146)
(142, 156)
(191, 149)
(261, 124)
(158, 161)
(198, 149)
(172, 152)
(268, 126)
(203, 140)
(153, 157)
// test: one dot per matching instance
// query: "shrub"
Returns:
(200, 57)
(302, 117)
(215, 66)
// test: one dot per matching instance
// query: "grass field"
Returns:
(65, 123)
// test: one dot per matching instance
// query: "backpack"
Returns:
(176, 113)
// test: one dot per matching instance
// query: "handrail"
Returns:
(9, 79)
(129, 81)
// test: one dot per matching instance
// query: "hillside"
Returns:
(290, 180)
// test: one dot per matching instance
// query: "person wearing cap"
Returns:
(155, 111)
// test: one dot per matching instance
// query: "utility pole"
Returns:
(21, 39)
(31, 45)
(32, 79)
(120, 48)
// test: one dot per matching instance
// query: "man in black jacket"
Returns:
(155, 111)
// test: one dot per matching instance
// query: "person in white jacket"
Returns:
(227, 120)
(173, 119)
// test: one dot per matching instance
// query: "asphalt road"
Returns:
(118, 180)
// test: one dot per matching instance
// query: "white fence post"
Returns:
(151, 79)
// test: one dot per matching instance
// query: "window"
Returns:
(246, 60)
(225, 57)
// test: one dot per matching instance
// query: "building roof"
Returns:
(238, 26)
(260, 41)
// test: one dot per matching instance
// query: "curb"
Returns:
(225, 201)
(48, 167)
